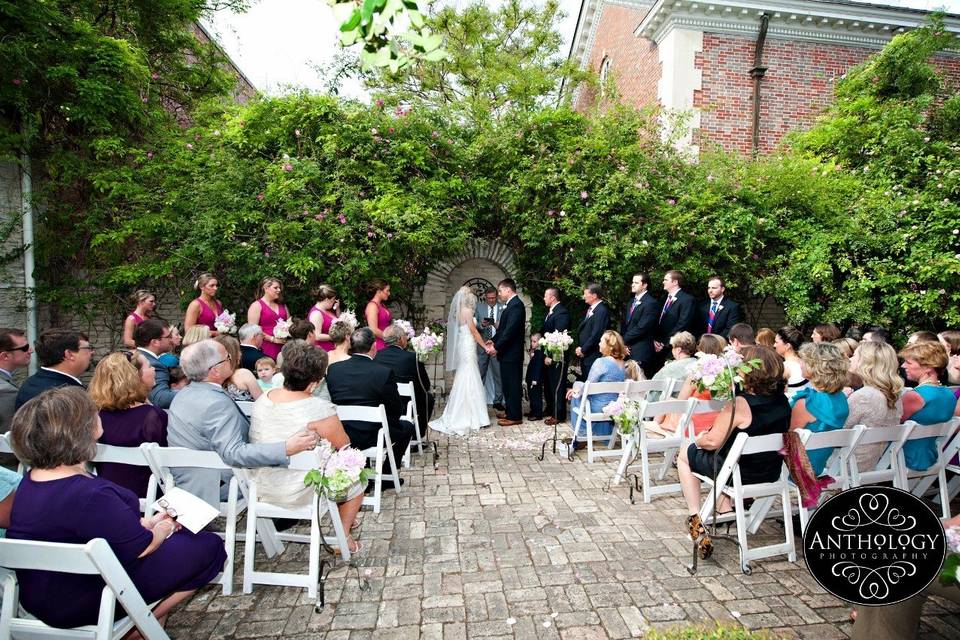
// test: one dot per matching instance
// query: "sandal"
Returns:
(356, 550)
(698, 533)
(355, 525)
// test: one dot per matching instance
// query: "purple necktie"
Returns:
(712, 316)
(666, 305)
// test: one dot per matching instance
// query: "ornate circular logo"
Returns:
(874, 545)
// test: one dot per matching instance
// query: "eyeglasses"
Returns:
(24, 348)
(129, 355)
(169, 335)
(163, 504)
(88, 347)
(227, 359)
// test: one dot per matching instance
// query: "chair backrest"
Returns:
(826, 439)
(941, 430)
(246, 407)
(761, 444)
(162, 459)
(363, 414)
(596, 388)
(641, 389)
(121, 455)
(651, 410)
(405, 389)
(304, 461)
(896, 434)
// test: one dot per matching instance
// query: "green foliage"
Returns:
(718, 632)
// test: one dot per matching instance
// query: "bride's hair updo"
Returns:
(469, 297)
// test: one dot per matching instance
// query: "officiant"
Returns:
(487, 318)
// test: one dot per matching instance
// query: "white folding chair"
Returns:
(6, 448)
(377, 415)
(406, 390)
(134, 456)
(653, 390)
(843, 442)
(93, 558)
(246, 406)
(947, 444)
(257, 509)
(585, 416)
(763, 493)
(887, 468)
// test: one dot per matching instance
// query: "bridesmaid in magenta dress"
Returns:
(323, 314)
(266, 311)
(205, 309)
(145, 303)
(377, 315)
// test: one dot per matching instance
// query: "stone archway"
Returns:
(480, 260)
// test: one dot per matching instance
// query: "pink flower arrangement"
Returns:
(407, 328)
(718, 374)
(282, 329)
(625, 413)
(338, 470)
(426, 343)
(226, 322)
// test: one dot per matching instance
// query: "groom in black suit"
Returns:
(507, 344)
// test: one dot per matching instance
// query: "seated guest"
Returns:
(683, 346)
(847, 346)
(612, 366)
(64, 356)
(119, 388)
(760, 410)
(362, 382)
(242, 385)
(766, 337)
(266, 370)
(877, 334)
(951, 342)
(922, 336)
(9, 481)
(153, 337)
(822, 406)
(827, 332)
(741, 335)
(251, 338)
(710, 344)
(340, 332)
(877, 402)
(14, 354)
(195, 334)
(787, 342)
(928, 402)
(204, 417)
(407, 368)
(55, 434)
(177, 378)
(286, 410)
(303, 330)
(170, 358)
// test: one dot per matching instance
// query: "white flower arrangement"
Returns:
(625, 414)
(555, 344)
(226, 322)
(426, 343)
(407, 328)
(348, 318)
(282, 329)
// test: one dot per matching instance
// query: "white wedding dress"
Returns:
(466, 409)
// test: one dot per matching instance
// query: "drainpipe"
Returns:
(26, 196)
(757, 73)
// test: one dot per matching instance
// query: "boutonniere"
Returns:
(720, 308)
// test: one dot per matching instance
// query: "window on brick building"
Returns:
(605, 65)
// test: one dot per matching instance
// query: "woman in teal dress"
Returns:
(612, 367)
(928, 402)
(822, 406)
(9, 480)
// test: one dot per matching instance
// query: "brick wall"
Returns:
(634, 64)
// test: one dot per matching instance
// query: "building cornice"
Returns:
(587, 23)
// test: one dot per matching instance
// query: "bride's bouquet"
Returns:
(339, 470)
(407, 328)
(717, 374)
(625, 414)
(282, 329)
(426, 343)
(555, 344)
(226, 322)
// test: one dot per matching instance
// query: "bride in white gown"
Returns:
(466, 410)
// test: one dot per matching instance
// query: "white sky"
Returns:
(277, 42)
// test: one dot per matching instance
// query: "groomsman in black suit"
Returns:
(719, 313)
(677, 314)
(508, 345)
(555, 388)
(639, 326)
(594, 323)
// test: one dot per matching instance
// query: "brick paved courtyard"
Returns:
(495, 544)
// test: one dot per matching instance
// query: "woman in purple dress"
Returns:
(266, 311)
(205, 309)
(119, 388)
(377, 315)
(145, 303)
(322, 315)
(55, 434)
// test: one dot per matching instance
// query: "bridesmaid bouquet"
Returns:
(625, 414)
(555, 344)
(339, 470)
(717, 374)
(407, 328)
(226, 322)
(282, 329)
(347, 317)
(426, 343)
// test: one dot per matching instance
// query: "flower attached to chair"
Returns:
(426, 343)
(625, 414)
(282, 329)
(339, 469)
(555, 344)
(950, 573)
(718, 373)
(407, 328)
(226, 322)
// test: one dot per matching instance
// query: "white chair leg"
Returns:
(742, 534)
(645, 473)
(250, 541)
(394, 470)
(625, 457)
(378, 480)
(230, 536)
(788, 525)
(589, 441)
(340, 534)
(313, 561)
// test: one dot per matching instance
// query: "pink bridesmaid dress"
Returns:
(383, 321)
(137, 318)
(207, 315)
(325, 321)
(268, 321)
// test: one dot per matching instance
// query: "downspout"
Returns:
(26, 197)
(757, 73)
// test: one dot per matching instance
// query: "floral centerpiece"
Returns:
(226, 322)
(407, 328)
(339, 470)
(555, 344)
(625, 414)
(718, 373)
(282, 329)
(426, 343)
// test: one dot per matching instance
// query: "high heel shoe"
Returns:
(698, 533)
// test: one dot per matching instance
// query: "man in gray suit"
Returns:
(14, 353)
(203, 417)
(487, 317)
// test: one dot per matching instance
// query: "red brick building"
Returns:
(744, 72)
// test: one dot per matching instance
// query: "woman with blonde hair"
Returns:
(119, 388)
(847, 346)
(205, 308)
(265, 311)
(613, 366)
(928, 402)
(822, 406)
(683, 347)
(877, 402)
(195, 334)
(340, 332)
(242, 384)
(144, 302)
